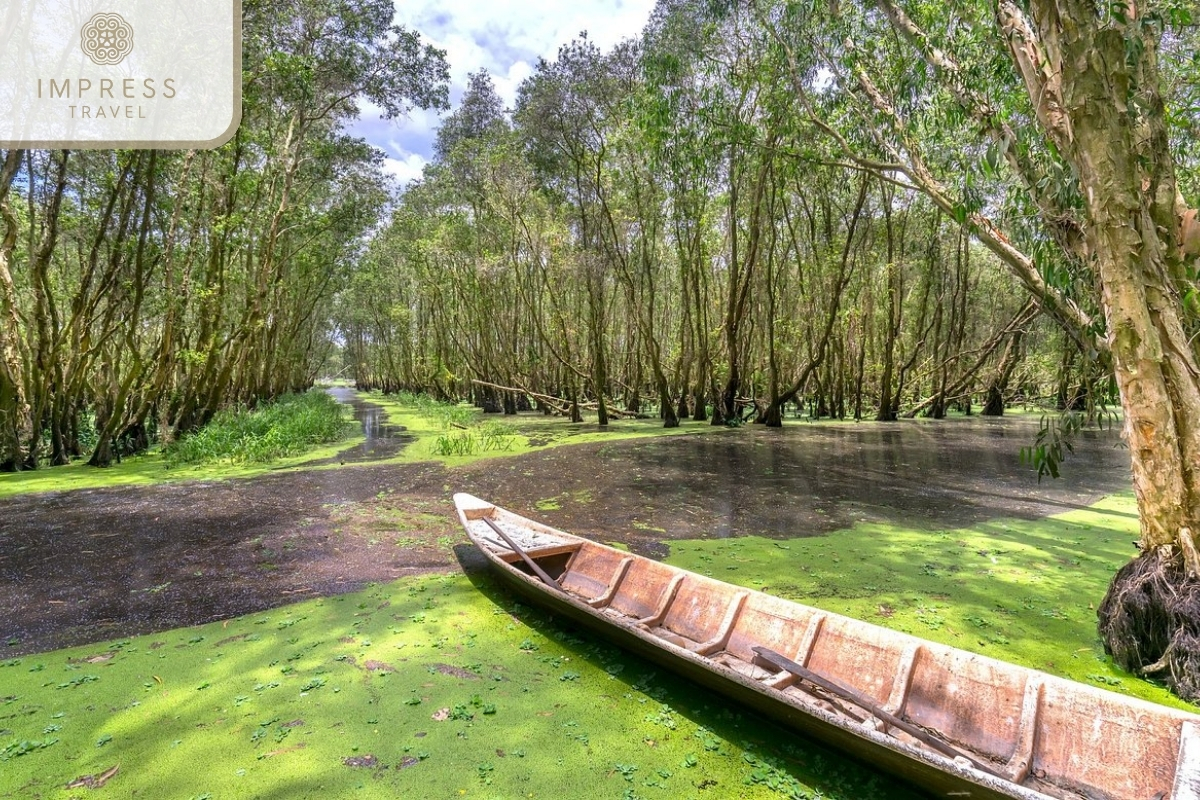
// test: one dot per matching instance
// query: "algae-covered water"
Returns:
(435, 687)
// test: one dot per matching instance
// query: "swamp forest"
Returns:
(886, 308)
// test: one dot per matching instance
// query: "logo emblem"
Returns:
(107, 38)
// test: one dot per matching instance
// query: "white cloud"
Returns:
(405, 169)
(507, 83)
(505, 37)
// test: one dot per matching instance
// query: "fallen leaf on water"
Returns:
(94, 781)
(361, 761)
(156, 678)
(441, 715)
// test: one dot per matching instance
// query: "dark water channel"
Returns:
(85, 565)
(383, 440)
(809, 480)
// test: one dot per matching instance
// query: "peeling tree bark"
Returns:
(1099, 100)
(1128, 181)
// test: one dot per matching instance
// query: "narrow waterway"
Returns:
(384, 440)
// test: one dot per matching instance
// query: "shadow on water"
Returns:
(383, 440)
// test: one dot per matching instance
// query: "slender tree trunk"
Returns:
(993, 405)
(16, 422)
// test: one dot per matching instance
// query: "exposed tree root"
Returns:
(1150, 621)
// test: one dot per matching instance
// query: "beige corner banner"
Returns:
(120, 73)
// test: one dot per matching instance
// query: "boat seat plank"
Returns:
(540, 552)
(473, 508)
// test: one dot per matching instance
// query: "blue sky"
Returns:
(504, 36)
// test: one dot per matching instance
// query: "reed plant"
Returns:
(284, 427)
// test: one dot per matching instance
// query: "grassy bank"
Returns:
(450, 434)
(237, 444)
(443, 686)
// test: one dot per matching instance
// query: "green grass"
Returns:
(430, 687)
(288, 426)
(425, 419)
(456, 434)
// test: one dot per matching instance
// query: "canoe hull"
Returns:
(923, 776)
(953, 722)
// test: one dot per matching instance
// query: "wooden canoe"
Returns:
(953, 722)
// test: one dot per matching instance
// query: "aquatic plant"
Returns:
(284, 427)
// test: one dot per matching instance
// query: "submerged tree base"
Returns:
(1150, 621)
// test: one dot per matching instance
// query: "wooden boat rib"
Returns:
(956, 723)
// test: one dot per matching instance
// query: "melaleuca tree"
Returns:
(1046, 130)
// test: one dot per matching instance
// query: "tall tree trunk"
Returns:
(16, 422)
(1100, 101)
(993, 405)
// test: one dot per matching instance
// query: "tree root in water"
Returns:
(1150, 621)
